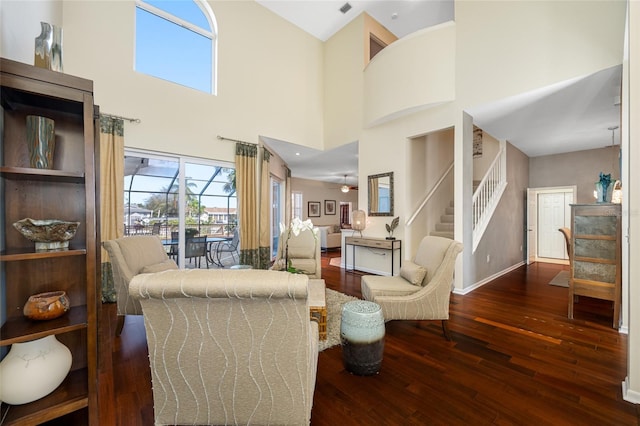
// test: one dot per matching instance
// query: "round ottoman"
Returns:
(362, 337)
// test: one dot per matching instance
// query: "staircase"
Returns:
(444, 228)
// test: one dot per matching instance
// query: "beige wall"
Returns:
(374, 28)
(269, 77)
(320, 191)
(503, 243)
(398, 81)
(581, 168)
(430, 156)
(490, 149)
(631, 112)
(342, 74)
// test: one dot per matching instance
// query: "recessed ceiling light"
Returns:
(298, 154)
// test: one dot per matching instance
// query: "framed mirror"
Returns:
(381, 194)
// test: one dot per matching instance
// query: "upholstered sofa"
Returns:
(330, 237)
(229, 346)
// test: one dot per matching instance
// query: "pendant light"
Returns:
(345, 187)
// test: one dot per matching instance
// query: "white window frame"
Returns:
(212, 35)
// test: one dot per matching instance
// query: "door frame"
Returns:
(532, 221)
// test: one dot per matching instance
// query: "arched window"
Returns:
(176, 41)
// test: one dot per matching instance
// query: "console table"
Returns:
(375, 243)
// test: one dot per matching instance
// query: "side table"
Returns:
(318, 306)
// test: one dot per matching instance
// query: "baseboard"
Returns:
(479, 284)
(628, 394)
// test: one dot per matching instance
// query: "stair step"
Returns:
(444, 227)
(446, 218)
(449, 210)
(442, 234)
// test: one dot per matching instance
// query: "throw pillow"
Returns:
(413, 272)
(159, 267)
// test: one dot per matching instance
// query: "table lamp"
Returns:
(358, 221)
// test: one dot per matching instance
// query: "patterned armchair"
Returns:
(229, 346)
(129, 257)
(423, 288)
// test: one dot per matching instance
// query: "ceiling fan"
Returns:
(345, 187)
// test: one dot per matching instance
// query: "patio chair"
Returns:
(196, 248)
(228, 247)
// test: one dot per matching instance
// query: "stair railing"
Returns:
(487, 195)
(429, 195)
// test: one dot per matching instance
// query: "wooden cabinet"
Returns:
(596, 255)
(67, 192)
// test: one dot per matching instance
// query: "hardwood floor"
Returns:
(515, 359)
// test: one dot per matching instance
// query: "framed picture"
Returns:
(329, 207)
(314, 209)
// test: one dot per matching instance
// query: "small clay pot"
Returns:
(46, 306)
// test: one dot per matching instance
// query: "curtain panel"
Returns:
(264, 250)
(111, 194)
(246, 188)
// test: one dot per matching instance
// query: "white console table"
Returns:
(374, 243)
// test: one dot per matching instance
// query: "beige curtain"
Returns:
(246, 163)
(264, 250)
(111, 194)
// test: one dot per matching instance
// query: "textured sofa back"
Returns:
(229, 347)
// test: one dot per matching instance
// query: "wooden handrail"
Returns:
(429, 195)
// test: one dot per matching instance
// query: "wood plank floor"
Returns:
(515, 359)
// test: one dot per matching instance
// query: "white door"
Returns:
(548, 209)
(551, 209)
(532, 225)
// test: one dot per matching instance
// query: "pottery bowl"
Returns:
(47, 231)
(46, 306)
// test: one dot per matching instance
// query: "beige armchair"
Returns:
(229, 346)
(423, 288)
(304, 253)
(129, 257)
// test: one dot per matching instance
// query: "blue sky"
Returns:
(171, 52)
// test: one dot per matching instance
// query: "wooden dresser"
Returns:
(596, 255)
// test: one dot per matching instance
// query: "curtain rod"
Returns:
(222, 138)
(130, 120)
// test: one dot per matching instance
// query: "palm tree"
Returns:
(230, 186)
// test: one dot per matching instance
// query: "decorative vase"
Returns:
(362, 337)
(46, 306)
(56, 49)
(602, 193)
(41, 140)
(42, 57)
(32, 370)
(48, 48)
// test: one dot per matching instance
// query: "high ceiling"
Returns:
(569, 116)
(323, 18)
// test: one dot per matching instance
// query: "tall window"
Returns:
(296, 205)
(176, 41)
(276, 214)
(153, 202)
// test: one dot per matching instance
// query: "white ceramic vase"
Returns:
(32, 370)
